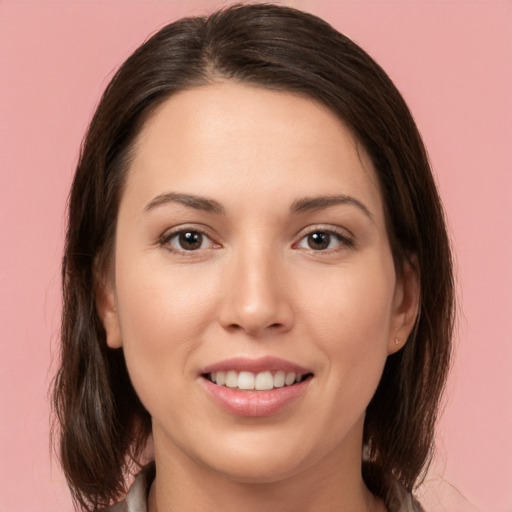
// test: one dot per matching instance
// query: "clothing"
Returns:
(137, 496)
(136, 499)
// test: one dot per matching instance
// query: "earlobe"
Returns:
(406, 303)
(107, 311)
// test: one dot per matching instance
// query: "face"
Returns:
(254, 291)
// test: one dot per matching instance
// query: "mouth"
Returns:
(261, 381)
(257, 387)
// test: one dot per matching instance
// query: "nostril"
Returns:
(254, 330)
(234, 327)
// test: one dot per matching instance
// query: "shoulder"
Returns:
(401, 500)
(437, 494)
(136, 499)
(431, 495)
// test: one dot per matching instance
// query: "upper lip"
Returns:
(261, 364)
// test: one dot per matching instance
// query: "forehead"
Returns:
(232, 108)
(228, 136)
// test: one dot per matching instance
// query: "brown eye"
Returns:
(187, 240)
(190, 240)
(319, 240)
(325, 240)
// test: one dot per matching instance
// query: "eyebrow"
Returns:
(298, 206)
(192, 201)
(322, 202)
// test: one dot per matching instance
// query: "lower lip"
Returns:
(254, 403)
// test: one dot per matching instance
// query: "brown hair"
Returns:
(103, 425)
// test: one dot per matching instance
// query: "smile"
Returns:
(255, 387)
(250, 381)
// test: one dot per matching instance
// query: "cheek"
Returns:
(352, 335)
(350, 319)
(352, 302)
(163, 312)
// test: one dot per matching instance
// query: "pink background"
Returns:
(453, 62)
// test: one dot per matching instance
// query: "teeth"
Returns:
(249, 381)
(264, 381)
(289, 379)
(279, 379)
(232, 379)
(246, 380)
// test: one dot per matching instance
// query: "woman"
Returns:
(257, 278)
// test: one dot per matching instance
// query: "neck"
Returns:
(264, 497)
(330, 485)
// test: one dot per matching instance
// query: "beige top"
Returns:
(137, 496)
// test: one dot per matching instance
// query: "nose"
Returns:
(256, 295)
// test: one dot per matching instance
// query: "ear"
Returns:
(406, 302)
(107, 311)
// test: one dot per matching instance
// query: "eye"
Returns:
(324, 240)
(187, 240)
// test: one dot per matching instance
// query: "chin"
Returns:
(261, 460)
(260, 470)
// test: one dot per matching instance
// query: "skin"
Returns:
(253, 288)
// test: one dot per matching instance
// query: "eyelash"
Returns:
(166, 239)
(343, 240)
